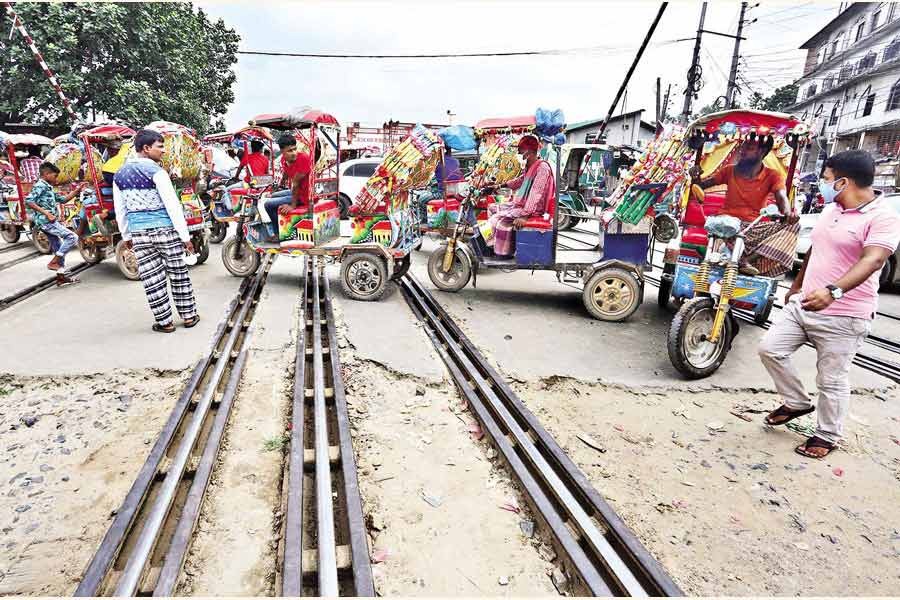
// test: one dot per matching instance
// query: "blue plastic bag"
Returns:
(549, 122)
(458, 137)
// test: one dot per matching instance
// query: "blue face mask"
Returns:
(829, 194)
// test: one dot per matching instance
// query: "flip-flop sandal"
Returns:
(784, 411)
(160, 329)
(192, 322)
(814, 442)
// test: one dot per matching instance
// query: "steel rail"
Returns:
(19, 260)
(37, 288)
(332, 480)
(327, 563)
(184, 427)
(11, 247)
(604, 554)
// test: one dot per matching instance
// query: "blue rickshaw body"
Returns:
(751, 293)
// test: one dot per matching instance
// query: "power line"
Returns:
(550, 52)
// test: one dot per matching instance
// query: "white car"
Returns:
(889, 274)
(354, 174)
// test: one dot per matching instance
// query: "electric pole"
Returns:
(693, 74)
(658, 99)
(665, 108)
(732, 77)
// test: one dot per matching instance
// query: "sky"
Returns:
(597, 43)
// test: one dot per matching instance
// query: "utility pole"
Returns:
(732, 77)
(665, 108)
(693, 74)
(658, 99)
(634, 64)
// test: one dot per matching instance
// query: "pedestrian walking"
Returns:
(152, 223)
(833, 299)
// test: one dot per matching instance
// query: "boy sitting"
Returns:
(44, 204)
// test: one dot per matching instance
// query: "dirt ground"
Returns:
(71, 448)
(443, 519)
(723, 502)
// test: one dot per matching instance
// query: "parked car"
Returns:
(890, 274)
(354, 174)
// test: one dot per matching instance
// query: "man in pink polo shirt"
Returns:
(833, 299)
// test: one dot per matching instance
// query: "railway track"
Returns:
(324, 540)
(603, 556)
(21, 259)
(37, 288)
(12, 247)
(144, 549)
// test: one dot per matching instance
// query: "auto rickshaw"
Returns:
(15, 218)
(181, 160)
(221, 213)
(583, 179)
(699, 271)
(383, 232)
(613, 282)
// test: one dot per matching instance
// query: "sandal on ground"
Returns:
(784, 411)
(188, 323)
(815, 442)
(163, 329)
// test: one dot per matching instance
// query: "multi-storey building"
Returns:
(850, 88)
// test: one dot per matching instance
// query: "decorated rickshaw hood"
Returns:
(744, 122)
(103, 133)
(23, 139)
(225, 137)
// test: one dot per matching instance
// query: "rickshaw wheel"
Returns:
(127, 262)
(363, 276)
(202, 249)
(459, 274)
(10, 233)
(218, 232)
(611, 294)
(92, 254)
(242, 266)
(689, 350)
(401, 267)
(40, 241)
(567, 222)
(664, 296)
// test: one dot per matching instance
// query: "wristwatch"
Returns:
(836, 292)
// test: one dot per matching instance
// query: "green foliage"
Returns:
(780, 100)
(138, 62)
(276, 443)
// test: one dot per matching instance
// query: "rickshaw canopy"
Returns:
(24, 139)
(226, 137)
(298, 119)
(743, 122)
(108, 133)
(511, 124)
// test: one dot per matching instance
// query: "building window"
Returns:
(866, 63)
(894, 97)
(876, 17)
(892, 50)
(820, 55)
(860, 28)
(811, 91)
(866, 103)
(834, 114)
(846, 73)
(828, 83)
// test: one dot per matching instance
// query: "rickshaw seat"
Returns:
(325, 205)
(538, 223)
(299, 211)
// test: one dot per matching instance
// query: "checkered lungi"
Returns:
(771, 247)
(160, 253)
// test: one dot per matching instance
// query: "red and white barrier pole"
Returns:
(17, 23)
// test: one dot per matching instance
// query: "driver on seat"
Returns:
(295, 168)
(769, 246)
(533, 191)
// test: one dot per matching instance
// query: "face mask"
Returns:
(829, 194)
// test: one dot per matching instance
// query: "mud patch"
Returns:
(71, 449)
(722, 501)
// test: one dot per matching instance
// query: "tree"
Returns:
(780, 100)
(135, 62)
